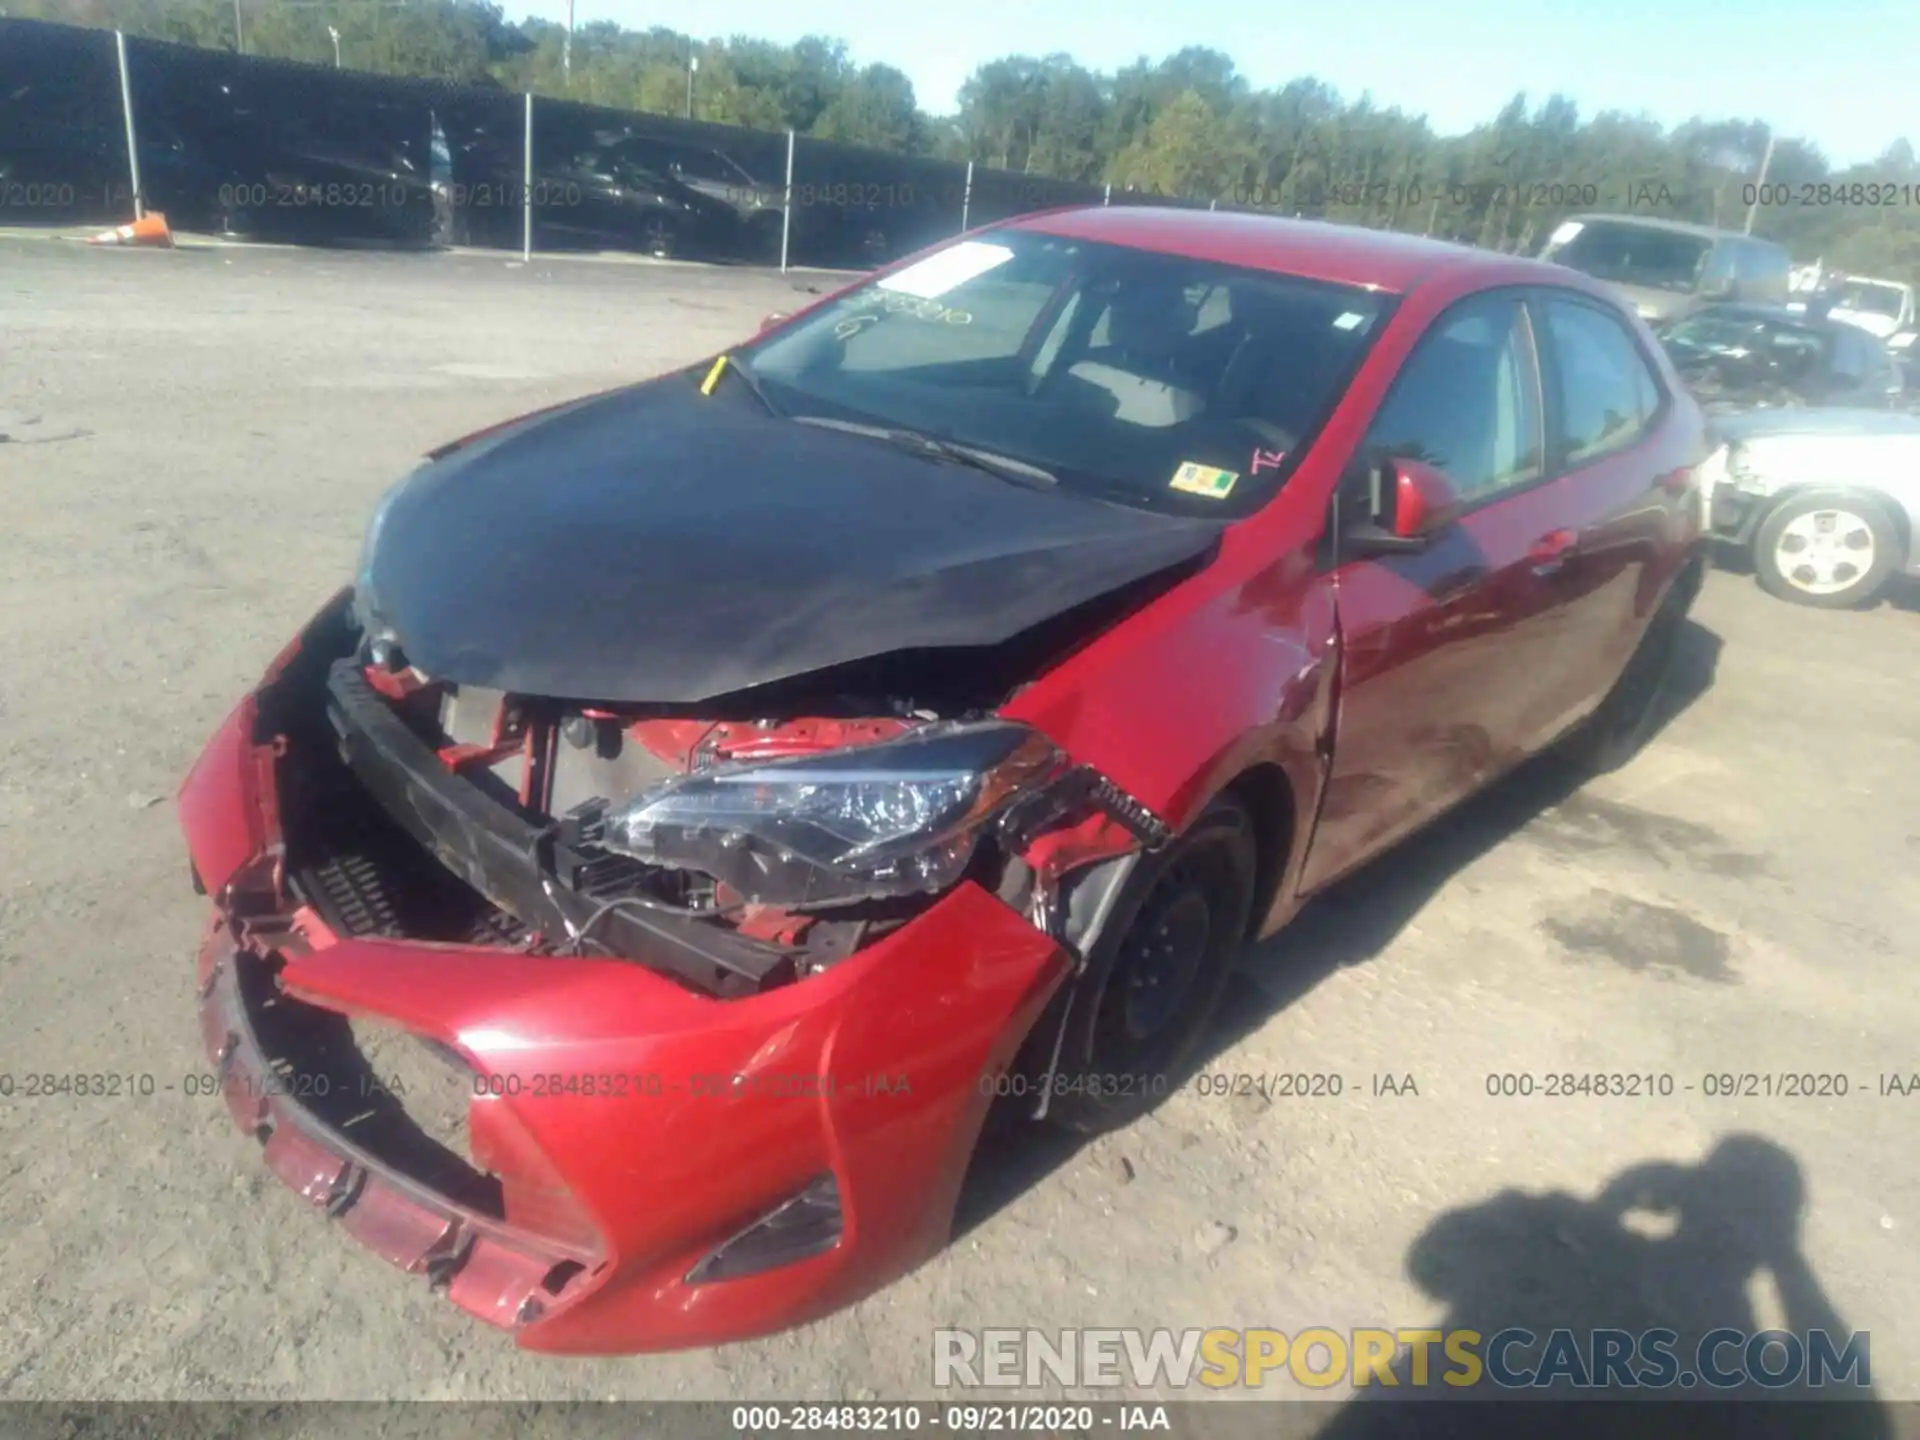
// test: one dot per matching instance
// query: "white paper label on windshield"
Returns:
(1566, 230)
(937, 274)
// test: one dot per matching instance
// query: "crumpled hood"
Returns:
(655, 545)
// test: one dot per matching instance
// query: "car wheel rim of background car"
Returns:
(1824, 552)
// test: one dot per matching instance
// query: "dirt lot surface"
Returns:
(189, 445)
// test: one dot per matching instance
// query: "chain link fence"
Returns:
(95, 126)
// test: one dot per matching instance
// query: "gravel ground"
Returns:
(192, 441)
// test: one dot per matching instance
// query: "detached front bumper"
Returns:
(627, 1139)
(500, 1273)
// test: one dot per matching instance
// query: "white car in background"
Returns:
(1886, 307)
(1826, 502)
(1904, 355)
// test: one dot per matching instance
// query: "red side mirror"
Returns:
(1423, 498)
(778, 317)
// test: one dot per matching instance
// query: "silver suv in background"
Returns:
(1826, 503)
(1666, 268)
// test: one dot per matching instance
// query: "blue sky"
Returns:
(1838, 72)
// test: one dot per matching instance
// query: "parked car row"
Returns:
(1747, 357)
(241, 162)
(1806, 377)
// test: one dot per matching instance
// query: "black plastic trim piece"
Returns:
(809, 1224)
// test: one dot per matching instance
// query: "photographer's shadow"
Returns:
(1664, 1247)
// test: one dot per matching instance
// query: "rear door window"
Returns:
(1606, 393)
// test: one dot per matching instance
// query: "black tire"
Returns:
(1864, 551)
(1620, 728)
(659, 237)
(1156, 975)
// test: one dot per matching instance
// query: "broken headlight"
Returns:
(871, 822)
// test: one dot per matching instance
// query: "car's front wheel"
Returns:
(1137, 1013)
(1826, 548)
(659, 237)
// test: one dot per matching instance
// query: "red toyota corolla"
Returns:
(737, 781)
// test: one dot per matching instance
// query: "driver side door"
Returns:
(1444, 652)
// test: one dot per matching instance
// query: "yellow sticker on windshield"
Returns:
(1206, 480)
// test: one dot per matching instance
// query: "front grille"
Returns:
(347, 889)
(364, 891)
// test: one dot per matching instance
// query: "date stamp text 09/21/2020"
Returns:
(1273, 1086)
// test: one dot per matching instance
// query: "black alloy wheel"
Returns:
(1140, 1010)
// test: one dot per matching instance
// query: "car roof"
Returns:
(1671, 227)
(1382, 260)
(1814, 420)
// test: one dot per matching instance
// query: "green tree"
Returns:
(875, 108)
(1182, 154)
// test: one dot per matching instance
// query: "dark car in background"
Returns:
(332, 179)
(1749, 357)
(604, 196)
(616, 190)
(257, 157)
(1668, 268)
(733, 211)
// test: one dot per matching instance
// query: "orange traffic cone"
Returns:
(149, 229)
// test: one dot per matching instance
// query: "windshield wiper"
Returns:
(1004, 467)
(737, 365)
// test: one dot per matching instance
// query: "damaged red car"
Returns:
(737, 783)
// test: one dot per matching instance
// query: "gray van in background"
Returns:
(1666, 268)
